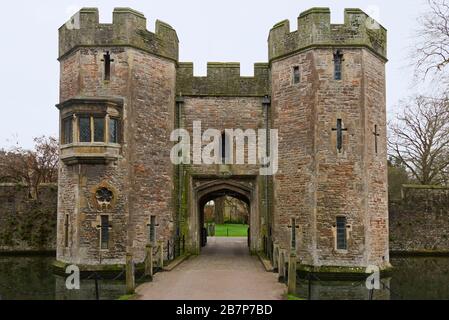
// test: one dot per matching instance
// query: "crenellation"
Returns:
(128, 28)
(222, 79)
(315, 30)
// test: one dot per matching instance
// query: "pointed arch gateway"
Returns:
(209, 189)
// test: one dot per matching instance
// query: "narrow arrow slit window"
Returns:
(342, 241)
(105, 232)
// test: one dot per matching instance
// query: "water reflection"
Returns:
(420, 278)
(341, 290)
(413, 278)
(31, 278)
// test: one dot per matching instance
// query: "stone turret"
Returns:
(117, 98)
(328, 100)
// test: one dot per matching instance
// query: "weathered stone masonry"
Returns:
(148, 92)
(27, 224)
(419, 222)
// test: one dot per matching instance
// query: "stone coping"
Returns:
(420, 253)
(112, 101)
(424, 187)
(329, 273)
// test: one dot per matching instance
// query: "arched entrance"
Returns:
(206, 190)
(227, 198)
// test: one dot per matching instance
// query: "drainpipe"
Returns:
(179, 105)
(266, 105)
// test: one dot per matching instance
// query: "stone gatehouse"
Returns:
(123, 91)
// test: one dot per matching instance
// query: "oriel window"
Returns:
(93, 128)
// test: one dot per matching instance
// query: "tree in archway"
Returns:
(219, 210)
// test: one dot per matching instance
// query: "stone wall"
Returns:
(419, 223)
(27, 224)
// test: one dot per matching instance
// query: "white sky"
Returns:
(231, 30)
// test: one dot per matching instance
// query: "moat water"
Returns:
(423, 278)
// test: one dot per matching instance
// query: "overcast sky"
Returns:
(231, 30)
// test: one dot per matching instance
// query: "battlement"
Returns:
(223, 79)
(128, 28)
(315, 30)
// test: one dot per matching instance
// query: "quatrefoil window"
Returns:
(104, 197)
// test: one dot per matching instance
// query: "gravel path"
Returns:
(224, 271)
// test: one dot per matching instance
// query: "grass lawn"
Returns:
(231, 230)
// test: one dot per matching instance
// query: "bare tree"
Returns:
(15, 166)
(219, 210)
(431, 54)
(419, 139)
(46, 156)
(31, 167)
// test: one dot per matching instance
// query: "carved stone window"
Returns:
(104, 198)
(296, 75)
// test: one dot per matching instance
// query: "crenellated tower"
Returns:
(117, 97)
(328, 100)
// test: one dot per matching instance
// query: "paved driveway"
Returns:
(224, 271)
